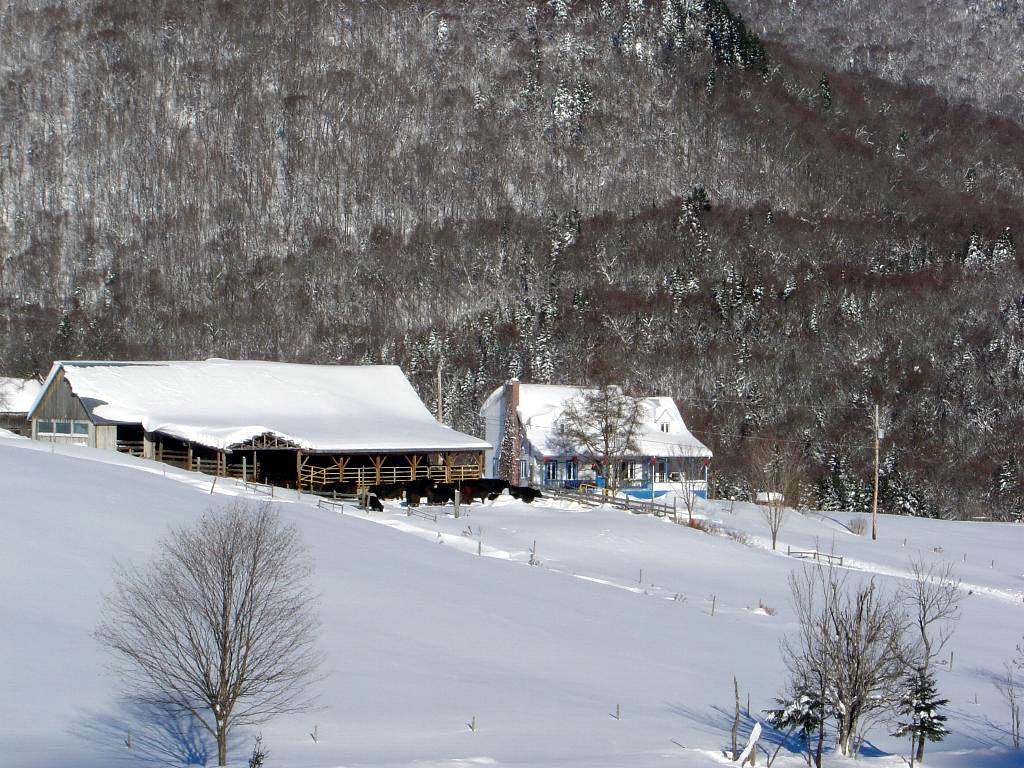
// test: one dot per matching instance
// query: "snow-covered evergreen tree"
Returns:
(920, 716)
(975, 257)
(561, 8)
(825, 93)
(442, 34)
(803, 713)
(1003, 250)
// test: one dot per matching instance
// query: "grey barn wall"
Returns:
(59, 402)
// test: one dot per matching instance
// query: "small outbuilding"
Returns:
(316, 427)
(16, 398)
(523, 418)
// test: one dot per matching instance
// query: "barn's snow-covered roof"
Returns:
(17, 395)
(223, 403)
(542, 405)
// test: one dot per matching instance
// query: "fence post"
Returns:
(458, 500)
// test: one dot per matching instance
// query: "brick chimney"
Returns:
(510, 440)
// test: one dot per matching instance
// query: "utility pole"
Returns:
(874, 501)
(440, 408)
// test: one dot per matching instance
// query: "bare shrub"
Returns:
(858, 526)
(737, 536)
(701, 524)
(222, 625)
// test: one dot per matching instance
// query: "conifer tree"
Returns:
(803, 713)
(921, 719)
(825, 93)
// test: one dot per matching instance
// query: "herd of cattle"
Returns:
(442, 493)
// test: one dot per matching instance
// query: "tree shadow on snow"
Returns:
(719, 720)
(158, 735)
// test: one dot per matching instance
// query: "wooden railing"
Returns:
(131, 447)
(813, 554)
(311, 476)
(179, 458)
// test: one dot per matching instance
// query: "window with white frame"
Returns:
(664, 426)
(570, 470)
(550, 470)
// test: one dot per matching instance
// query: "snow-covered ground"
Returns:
(422, 633)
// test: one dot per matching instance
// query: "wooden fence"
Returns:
(361, 477)
(593, 496)
(813, 554)
(131, 447)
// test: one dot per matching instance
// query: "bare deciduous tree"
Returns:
(932, 600)
(602, 425)
(776, 475)
(850, 647)
(1009, 686)
(222, 626)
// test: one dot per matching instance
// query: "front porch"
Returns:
(664, 473)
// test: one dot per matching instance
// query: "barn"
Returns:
(314, 427)
(16, 397)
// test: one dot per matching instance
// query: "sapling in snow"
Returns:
(222, 625)
(920, 718)
(802, 712)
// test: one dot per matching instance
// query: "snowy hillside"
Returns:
(422, 634)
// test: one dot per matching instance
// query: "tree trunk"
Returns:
(920, 747)
(736, 720)
(222, 745)
(846, 736)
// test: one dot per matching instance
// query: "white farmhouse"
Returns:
(669, 454)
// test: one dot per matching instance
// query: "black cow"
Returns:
(374, 503)
(388, 490)
(470, 490)
(441, 494)
(493, 487)
(416, 490)
(524, 493)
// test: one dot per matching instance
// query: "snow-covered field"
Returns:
(422, 633)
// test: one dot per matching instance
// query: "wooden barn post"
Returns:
(414, 463)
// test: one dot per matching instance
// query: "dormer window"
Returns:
(664, 426)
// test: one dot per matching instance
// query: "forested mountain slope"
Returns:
(547, 190)
(968, 50)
